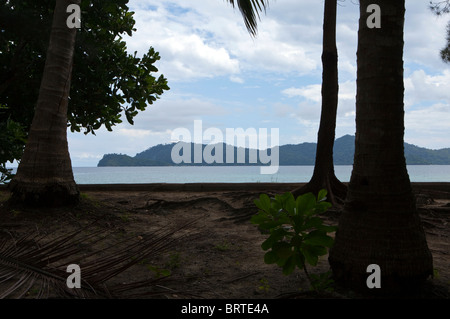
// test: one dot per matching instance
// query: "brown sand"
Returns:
(224, 260)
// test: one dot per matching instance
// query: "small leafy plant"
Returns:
(322, 282)
(159, 272)
(264, 285)
(297, 235)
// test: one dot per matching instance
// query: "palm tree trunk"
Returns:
(323, 175)
(380, 224)
(44, 175)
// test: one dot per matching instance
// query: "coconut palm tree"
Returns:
(44, 175)
(380, 224)
(323, 175)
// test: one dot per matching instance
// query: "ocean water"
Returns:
(232, 174)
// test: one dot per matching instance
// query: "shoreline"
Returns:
(205, 187)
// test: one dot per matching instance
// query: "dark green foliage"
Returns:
(343, 150)
(12, 141)
(439, 8)
(107, 81)
(297, 234)
(322, 282)
(250, 12)
(159, 153)
(125, 160)
(445, 52)
(299, 154)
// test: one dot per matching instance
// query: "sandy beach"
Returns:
(223, 257)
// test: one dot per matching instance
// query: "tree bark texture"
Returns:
(44, 175)
(323, 175)
(380, 224)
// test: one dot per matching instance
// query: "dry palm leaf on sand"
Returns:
(32, 262)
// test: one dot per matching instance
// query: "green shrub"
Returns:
(296, 234)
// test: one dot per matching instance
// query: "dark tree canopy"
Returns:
(107, 81)
(12, 140)
(439, 8)
(445, 52)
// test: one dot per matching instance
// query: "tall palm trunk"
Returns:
(323, 175)
(44, 175)
(380, 224)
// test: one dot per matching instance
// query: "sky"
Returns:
(222, 77)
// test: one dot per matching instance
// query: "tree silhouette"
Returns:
(107, 85)
(380, 223)
(250, 12)
(323, 175)
(44, 175)
(440, 8)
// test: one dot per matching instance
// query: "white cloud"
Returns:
(236, 79)
(312, 93)
(427, 104)
(179, 111)
(308, 110)
(191, 58)
(209, 39)
(423, 87)
(87, 156)
(428, 126)
(186, 51)
(424, 35)
(133, 133)
(284, 110)
(309, 92)
(269, 52)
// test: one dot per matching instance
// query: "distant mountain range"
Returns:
(290, 154)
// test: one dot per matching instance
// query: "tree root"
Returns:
(336, 190)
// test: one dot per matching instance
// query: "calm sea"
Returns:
(232, 174)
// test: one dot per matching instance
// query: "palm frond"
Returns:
(250, 12)
(31, 262)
